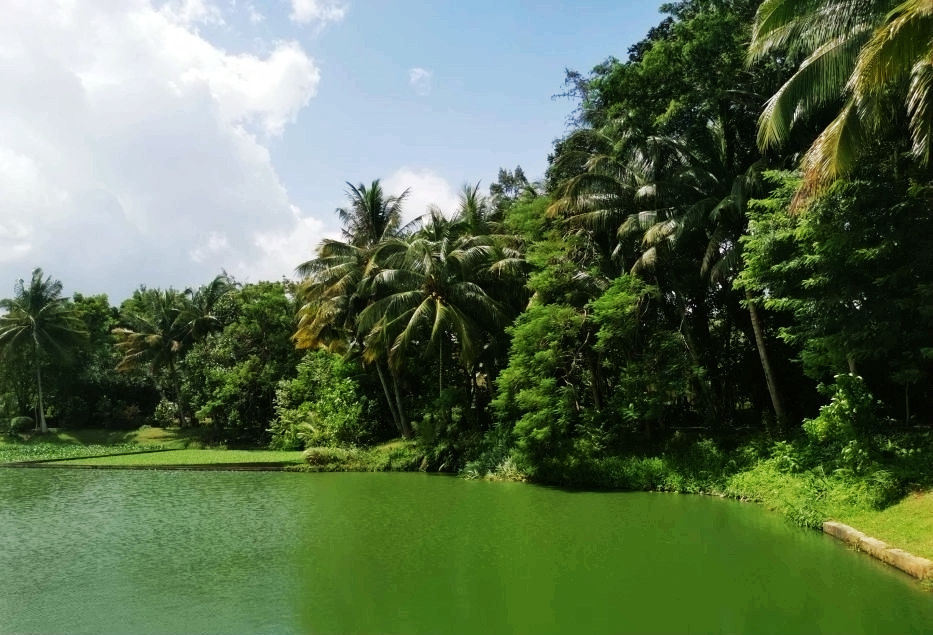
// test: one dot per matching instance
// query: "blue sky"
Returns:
(494, 69)
(155, 142)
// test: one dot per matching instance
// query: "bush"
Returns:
(844, 426)
(393, 457)
(165, 415)
(19, 425)
(850, 414)
(323, 406)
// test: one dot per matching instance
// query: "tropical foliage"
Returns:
(732, 238)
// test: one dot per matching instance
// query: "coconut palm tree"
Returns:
(166, 327)
(39, 320)
(198, 315)
(336, 286)
(372, 217)
(678, 201)
(156, 337)
(431, 294)
(855, 52)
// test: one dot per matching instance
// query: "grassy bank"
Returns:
(888, 495)
(211, 457)
(69, 444)
(154, 447)
(907, 524)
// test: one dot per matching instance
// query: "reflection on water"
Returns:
(86, 551)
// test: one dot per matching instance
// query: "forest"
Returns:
(727, 267)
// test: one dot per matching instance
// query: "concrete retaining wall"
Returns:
(907, 562)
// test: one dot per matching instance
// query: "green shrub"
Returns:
(844, 426)
(19, 425)
(392, 457)
(165, 414)
(786, 457)
(850, 414)
(323, 406)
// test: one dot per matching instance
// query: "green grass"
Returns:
(45, 451)
(68, 444)
(194, 457)
(906, 525)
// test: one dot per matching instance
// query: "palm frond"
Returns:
(819, 80)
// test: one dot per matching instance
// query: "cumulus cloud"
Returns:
(192, 12)
(420, 80)
(425, 187)
(132, 149)
(283, 250)
(255, 15)
(317, 11)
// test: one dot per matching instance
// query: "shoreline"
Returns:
(915, 566)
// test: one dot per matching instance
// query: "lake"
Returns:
(89, 551)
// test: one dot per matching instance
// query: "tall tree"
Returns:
(372, 217)
(39, 320)
(336, 286)
(161, 325)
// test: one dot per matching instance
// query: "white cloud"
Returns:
(254, 14)
(132, 149)
(319, 11)
(426, 188)
(420, 80)
(282, 251)
(192, 12)
(216, 243)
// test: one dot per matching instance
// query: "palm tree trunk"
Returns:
(385, 389)
(43, 428)
(406, 429)
(765, 361)
(851, 361)
(176, 388)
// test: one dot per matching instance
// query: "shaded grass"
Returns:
(44, 451)
(194, 457)
(66, 444)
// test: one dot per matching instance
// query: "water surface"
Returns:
(87, 551)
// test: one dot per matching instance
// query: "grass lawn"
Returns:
(52, 446)
(907, 525)
(194, 457)
(69, 444)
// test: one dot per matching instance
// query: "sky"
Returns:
(158, 142)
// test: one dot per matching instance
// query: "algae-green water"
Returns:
(87, 551)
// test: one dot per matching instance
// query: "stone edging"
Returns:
(916, 566)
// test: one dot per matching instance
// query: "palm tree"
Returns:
(166, 327)
(431, 294)
(156, 337)
(857, 52)
(336, 286)
(372, 217)
(198, 316)
(683, 202)
(39, 320)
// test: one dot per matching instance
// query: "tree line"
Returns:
(733, 232)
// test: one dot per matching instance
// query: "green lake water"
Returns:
(87, 551)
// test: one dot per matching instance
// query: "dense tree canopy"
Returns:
(734, 229)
